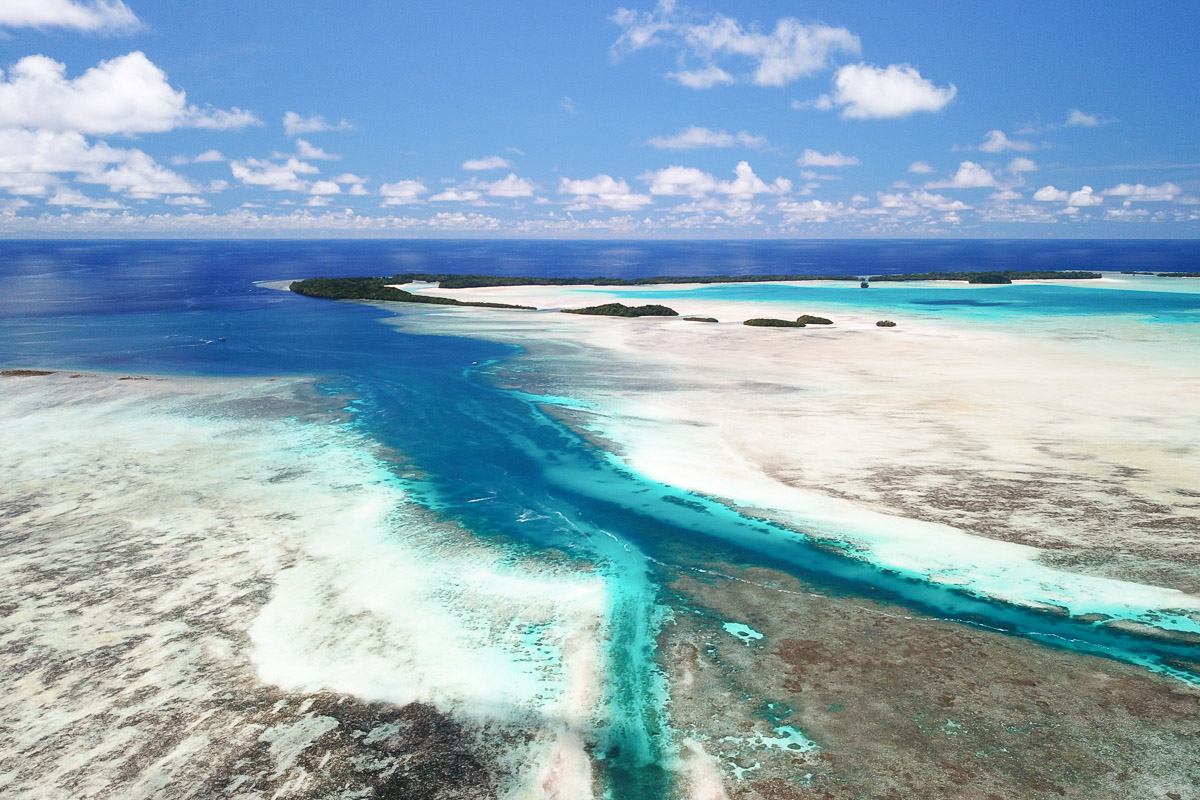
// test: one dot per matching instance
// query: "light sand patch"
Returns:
(1013, 446)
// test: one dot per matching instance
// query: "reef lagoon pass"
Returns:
(256, 544)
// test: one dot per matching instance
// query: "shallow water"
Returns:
(493, 461)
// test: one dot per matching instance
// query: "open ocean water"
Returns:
(193, 308)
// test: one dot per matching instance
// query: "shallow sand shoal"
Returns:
(1066, 442)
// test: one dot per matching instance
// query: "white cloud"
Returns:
(137, 175)
(865, 91)
(1075, 117)
(402, 193)
(1049, 194)
(791, 50)
(486, 163)
(186, 200)
(275, 177)
(127, 94)
(676, 181)
(603, 190)
(306, 150)
(325, 187)
(66, 196)
(696, 138)
(567, 105)
(814, 210)
(918, 202)
(969, 176)
(1084, 197)
(997, 142)
(689, 181)
(510, 186)
(1164, 192)
(1021, 164)
(747, 184)
(31, 160)
(1005, 195)
(296, 125)
(96, 16)
(920, 168)
(208, 157)
(813, 158)
(456, 195)
(705, 78)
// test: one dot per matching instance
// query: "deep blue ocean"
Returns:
(193, 308)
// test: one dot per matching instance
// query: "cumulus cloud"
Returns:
(865, 91)
(790, 51)
(457, 195)
(918, 202)
(1164, 192)
(306, 150)
(814, 211)
(127, 95)
(325, 187)
(402, 193)
(208, 157)
(676, 180)
(1021, 164)
(31, 162)
(1049, 194)
(297, 125)
(696, 138)
(969, 176)
(997, 142)
(813, 158)
(920, 168)
(603, 190)
(186, 200)
(510, 186)
(1077, 118)
(66, 196)
(1084, 197)
(273, 176)
(486, 163)
(96, 16)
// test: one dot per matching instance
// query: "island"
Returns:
(809, 319)
(622, 310)
(767, 322)
(378, 289)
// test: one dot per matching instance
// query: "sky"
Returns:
(599, 119)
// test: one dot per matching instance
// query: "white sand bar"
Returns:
(1054, 461)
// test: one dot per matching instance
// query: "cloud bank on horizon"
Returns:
(675, 120)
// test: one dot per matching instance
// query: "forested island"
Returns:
(768, 322)
(622, 310)
(378, 289)
(485, 281)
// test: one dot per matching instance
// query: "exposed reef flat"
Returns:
(207, 590)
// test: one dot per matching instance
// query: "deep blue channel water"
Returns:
(192, 308)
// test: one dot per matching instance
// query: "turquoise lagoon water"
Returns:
(492, 459)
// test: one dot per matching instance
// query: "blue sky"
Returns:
(590, 119)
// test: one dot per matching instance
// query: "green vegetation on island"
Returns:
(377, 289)
(993, 276)
(701, 319)
(885, 323)
(767, 322)
(483, 281)
(1178, 274)
(809, 319)
(622, 310)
